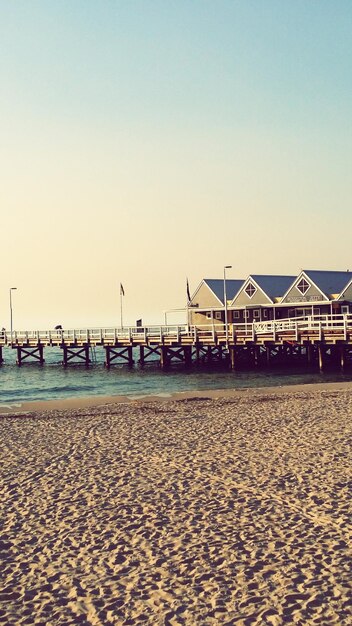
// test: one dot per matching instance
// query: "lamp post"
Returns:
(227, 267)
(11, 290)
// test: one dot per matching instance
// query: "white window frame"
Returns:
(265, 314)
(256, 314)
(236, 315)
(305, 290)
(254, 292)
(246, 314)
(208, 315)
(218, 315)
(345, 309)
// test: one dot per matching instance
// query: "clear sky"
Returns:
(144, 141)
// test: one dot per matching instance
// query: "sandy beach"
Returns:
(201, 509)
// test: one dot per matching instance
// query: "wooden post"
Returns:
(86, 355)
(1, 358)
(188, 356)
(130, 356)
(209, 354)
(141, 356)
(163, 357)
(256, 350)
(268, 355)
(342, 357)
(232, 357)
(309, 353)
(41, 354)
(321, 359)
(107, 357)
(19, 356)
(197, 353)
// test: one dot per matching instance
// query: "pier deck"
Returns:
(188, 343)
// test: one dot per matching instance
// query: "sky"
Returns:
(144, 142)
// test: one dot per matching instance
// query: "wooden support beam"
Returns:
(36, 353)
(1, 357)
(113, 353)
(145, 352)
(79, 353)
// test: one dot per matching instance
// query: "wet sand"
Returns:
(203, 509)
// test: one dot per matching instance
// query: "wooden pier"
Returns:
(315, 341)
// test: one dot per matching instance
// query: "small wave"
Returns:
(11, 405)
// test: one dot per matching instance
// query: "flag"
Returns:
(122, 291)
(188, 292)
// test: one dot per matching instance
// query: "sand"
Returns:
(228, 509)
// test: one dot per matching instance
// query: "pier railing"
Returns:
(93, 336)
(317, 325)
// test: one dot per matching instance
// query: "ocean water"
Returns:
(51, 381)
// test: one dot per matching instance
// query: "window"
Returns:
(246, 315)
(208, 315)
(265, 313)
(316, 310)
(236, 315)
(256, 314)
(303, 286)
(345, 309)
(250, 290)
(218, 315)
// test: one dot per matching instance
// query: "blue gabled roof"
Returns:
(273, 286)
(217, 286)
(329, 282)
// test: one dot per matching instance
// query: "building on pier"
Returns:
(317, 292)
(258, 296)
(271, 297)
(207, 303)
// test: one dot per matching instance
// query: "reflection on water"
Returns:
(52, 381)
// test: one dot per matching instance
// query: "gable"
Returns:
(243, 298)
(303, 290)
(274, 286)
(205, 298)
(346, 293)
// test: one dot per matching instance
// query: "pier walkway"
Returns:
(314, 339)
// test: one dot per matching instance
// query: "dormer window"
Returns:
(250, 290)
(303, 286)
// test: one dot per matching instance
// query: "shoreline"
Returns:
(62, 404)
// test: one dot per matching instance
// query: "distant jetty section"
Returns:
(315, 341)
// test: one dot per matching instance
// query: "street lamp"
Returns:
(11, 290)
(227, 267)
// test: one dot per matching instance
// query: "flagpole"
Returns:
(122, 293)
(188, 301)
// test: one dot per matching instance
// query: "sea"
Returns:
(52, 381)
